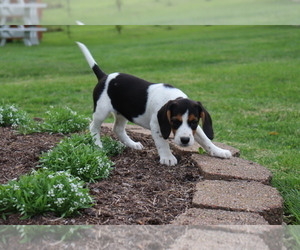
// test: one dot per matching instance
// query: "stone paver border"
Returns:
(233, 191)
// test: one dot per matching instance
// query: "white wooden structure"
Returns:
(28, 34)
(28, 12)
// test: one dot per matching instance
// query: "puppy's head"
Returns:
(181, 116)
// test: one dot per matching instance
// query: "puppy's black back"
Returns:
(129, 95)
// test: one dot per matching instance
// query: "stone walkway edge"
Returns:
(232, 192)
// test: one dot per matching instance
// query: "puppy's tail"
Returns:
(91, 61)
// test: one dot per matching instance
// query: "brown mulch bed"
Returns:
(139, 191)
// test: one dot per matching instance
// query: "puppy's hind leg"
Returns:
(95, 126)
(119, 130)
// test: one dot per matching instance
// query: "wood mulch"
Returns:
(139, 190)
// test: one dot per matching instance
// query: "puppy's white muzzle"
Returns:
(184, 134)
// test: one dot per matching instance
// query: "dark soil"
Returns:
(139, 191)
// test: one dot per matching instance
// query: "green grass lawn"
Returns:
(172, 12)
(246, 76)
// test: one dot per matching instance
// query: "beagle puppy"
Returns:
(159, 107)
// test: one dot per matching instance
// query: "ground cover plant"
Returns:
(10, 115)
(56, 120)
(57, 186)
(81, 157)
(62, 120)
(246, 76)
(44, 191)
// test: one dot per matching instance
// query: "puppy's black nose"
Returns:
(185, 140)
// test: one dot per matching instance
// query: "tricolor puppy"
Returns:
(156, 106)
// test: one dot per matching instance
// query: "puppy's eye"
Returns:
(175, 123)
(193, 124)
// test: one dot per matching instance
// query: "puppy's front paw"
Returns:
(227, 154)
(221, 153)
(136, 145)
(169, 160)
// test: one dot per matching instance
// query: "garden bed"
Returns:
(138, 191)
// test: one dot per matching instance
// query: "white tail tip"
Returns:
(87, 54)
(79, 23)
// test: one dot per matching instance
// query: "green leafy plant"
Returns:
(63, 120)
(112, 147)
(44, 191)
(57, 120)
(11, 115)
(79, 155)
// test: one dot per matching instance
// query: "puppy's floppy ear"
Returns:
(164, 118)
(206, 122)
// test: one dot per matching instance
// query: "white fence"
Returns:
(28, 13)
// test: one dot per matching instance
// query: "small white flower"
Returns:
(13, 108)
(50, 193)
(59, 186)
(16, 187)
(74, 187)
(59, 201)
